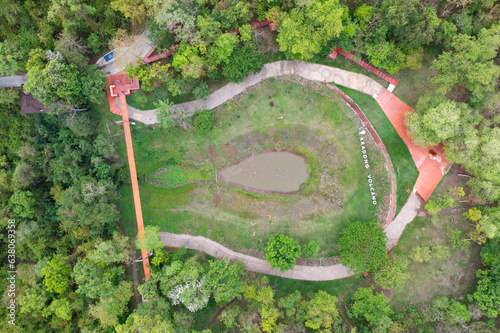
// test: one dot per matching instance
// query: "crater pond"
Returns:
(270, 171)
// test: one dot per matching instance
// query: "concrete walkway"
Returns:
(308, 71)
(405, 216)
(12, 81)
(216, 250)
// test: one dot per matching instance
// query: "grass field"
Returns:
(336, 191)
(398, 151)
(451, 276)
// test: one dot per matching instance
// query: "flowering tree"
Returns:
(193, 295)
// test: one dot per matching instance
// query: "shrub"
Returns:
(241, 62)
(214, 75)
(201, 91)
(203, 120)
(392, 275)
(310, 250)
(362, 246)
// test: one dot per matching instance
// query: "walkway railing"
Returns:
(365, 65)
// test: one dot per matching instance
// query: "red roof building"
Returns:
(30, 105)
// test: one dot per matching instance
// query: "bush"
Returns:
(201, 91)
(203, 120)
(392, 275)
(310, 250)
(241, 62)
(362, 246)
(214, 75)
(282, 252)
(489, 252)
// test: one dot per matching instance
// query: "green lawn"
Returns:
(313, 125)
(397, 149)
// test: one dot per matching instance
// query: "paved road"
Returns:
(214, 249)
(12, 81)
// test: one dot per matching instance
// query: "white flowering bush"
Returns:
(192, 295)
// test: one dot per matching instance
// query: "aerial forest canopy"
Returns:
(62, 172)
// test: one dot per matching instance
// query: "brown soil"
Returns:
(217, 197)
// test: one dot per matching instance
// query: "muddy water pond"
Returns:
(270, 171)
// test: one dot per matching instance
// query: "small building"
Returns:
(30, 105)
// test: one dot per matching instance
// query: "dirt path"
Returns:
(214, 249)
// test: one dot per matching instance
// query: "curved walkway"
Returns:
(308, 71)
(214, 249)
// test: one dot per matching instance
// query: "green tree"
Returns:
(136, 10)
(310, 250)
(282, 252)
(115, 250)
(321, 311)
(363, 15)
(149, 74)
(223, 48)
(151, 316)
(60, 307)
(487, 293)
(201, 91)
(373, 308)
(304, 31)
(108, 310)
(34, 299)
(242, 62)
(246, 32)
(292, 306)
(164, 116)
(188, 61)
(151, 240)
(490, 223)
(362, 246)
(470, 63)
(94, 281)
(452, 310)
(93, 84)
(23, 204)
(385, 54)
(56, 275)
(392, 275)
(225, 281)
(209, 29)
(10, 59)
(446, 121)
(52, 80)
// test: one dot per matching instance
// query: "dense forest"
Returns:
(60, 170)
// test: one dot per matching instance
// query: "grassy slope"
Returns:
(449, 277)
(398, 152)
(189, 209)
